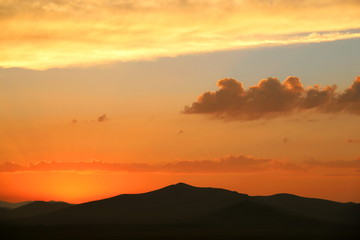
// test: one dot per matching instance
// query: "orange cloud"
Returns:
(41, 34)
(351, 140)
(350, 99)
(103, 118)
(11, 167)
(229, 164)
(271, 98)
(336, 164)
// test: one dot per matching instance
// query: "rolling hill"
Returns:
(181, 210)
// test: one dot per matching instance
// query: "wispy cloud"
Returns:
(225, 165)
(180, 132)
(336, 164)
(272, 98)
(229, 164)
(41, 34)
(101, 119)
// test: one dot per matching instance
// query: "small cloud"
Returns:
(180, 132)
(100, 119)
(285, 140)
(103, 118)
(350, 140)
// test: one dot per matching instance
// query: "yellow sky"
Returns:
(44, 34)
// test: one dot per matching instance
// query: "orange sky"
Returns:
(81, 187)
(260, 97)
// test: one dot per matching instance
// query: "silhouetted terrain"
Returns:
(320, 209)
(37, 208)
(173, 204)
(9, 205)
(183, 211)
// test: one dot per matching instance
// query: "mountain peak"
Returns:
(182, 185)
(179, 186)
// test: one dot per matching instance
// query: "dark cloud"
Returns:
(100, 119)
(271, 98)
(103, 118)
(315, 97)
(351, 140)
(350, 99)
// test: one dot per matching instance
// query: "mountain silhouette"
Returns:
(9, 205)
(37, 208)
(183, 203)
(4, 212)
(172, 204)
(248, 213)
(183, 211)
(324, 210)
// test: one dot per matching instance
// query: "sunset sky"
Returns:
(104, 97)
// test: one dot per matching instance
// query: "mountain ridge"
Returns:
(181, 211)
(13, 205)
(181, 202)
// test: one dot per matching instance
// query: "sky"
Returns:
(101, 98)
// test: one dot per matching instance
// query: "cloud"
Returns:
(351, 140)
(226, 165)
(350, 99)
(229, 164)
(336, 164)
(103, 118)
(41, 34)
(11, 167)
(271, 98)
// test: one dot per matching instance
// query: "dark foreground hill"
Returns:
(9, 205)
(324, 210)
(180, 203)
(31, 209)
(37, 208)
(182, 211)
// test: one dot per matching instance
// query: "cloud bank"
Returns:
(226, 165)
(223, 165)
(272, 98)
(41, 34)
